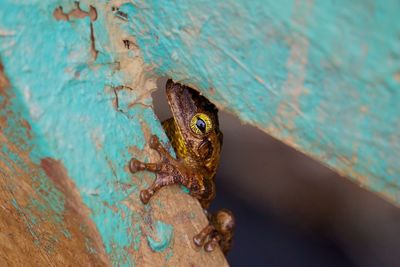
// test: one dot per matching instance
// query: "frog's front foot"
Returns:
(165, 170)
(219, 231)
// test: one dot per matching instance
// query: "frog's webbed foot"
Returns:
(165, 170)
(219, 231)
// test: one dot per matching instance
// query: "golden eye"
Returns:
(200, 123)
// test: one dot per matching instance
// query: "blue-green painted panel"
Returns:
(323, 76)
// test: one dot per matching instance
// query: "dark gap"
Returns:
(119, 14)
(290, 209)
(161, 107)
(93, 49)
(128, 44)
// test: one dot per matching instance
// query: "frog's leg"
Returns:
(219, 231)
(166, 170)
(157, 146)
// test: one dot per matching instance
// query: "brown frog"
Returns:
(195, 136)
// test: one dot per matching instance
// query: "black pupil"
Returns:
(201, 125)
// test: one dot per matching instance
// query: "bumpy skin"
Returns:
(195, 136)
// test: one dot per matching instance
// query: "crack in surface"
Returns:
(78, 13)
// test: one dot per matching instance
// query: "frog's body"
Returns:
(195, 136)
(201, 167)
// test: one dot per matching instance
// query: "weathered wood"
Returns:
(322, 76)
(43, 221)
(76, 108)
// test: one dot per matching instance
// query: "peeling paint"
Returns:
(161, 237)
(67, 75)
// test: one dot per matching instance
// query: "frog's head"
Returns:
(196, 119)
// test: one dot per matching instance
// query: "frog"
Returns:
(194, 134)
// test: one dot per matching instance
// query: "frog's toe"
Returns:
(201, 237)
(154, 142)
(218, 232)
(145, 196)
(135, 165)
(210, 245)
(198, 240)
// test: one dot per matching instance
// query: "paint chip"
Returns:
(161, 237)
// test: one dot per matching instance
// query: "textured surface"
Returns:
(42, 219)
(324, 77)
(75, 108)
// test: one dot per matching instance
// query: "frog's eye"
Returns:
(200, 123)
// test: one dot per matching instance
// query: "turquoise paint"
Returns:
(185, 189)
(161, 237)
(319, 75)
(67, 98)
(169, 255)
(360, 135)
